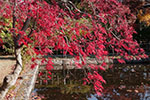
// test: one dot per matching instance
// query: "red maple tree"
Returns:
(91, 28)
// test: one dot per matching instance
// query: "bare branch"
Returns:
(92, 7)
(115, 36)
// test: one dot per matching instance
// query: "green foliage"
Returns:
(75, 88)
(6, 36)
(27, 53)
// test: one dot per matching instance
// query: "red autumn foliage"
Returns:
(80, 32)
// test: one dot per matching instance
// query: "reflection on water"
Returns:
(124, 82)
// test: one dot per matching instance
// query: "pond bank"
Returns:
(24, 85)
(59, 63)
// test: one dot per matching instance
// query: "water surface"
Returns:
(124, 82)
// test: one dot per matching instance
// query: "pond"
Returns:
(124, 82)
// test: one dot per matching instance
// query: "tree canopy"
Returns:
(89, 27)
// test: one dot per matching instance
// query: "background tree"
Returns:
(141, 23)
(84, 30)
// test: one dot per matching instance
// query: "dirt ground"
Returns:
(6, 65)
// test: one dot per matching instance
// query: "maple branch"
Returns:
(81, 56)
(92, 7)
(84, 68)
(115, 35)
(65, 1)
(26, 24)
(77, 8)
(68, 7)
(14, 20)
(24, 27)
(82, 11)
(67, 41)
(31, 32)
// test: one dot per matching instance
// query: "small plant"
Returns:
(6, 36)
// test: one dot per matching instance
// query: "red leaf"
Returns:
(33, 66)
(40, 74)
(49, 77)
(45, 81)
(121, 61)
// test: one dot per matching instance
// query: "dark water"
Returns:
(124, 82)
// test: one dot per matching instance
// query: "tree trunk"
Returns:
(11, 79)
